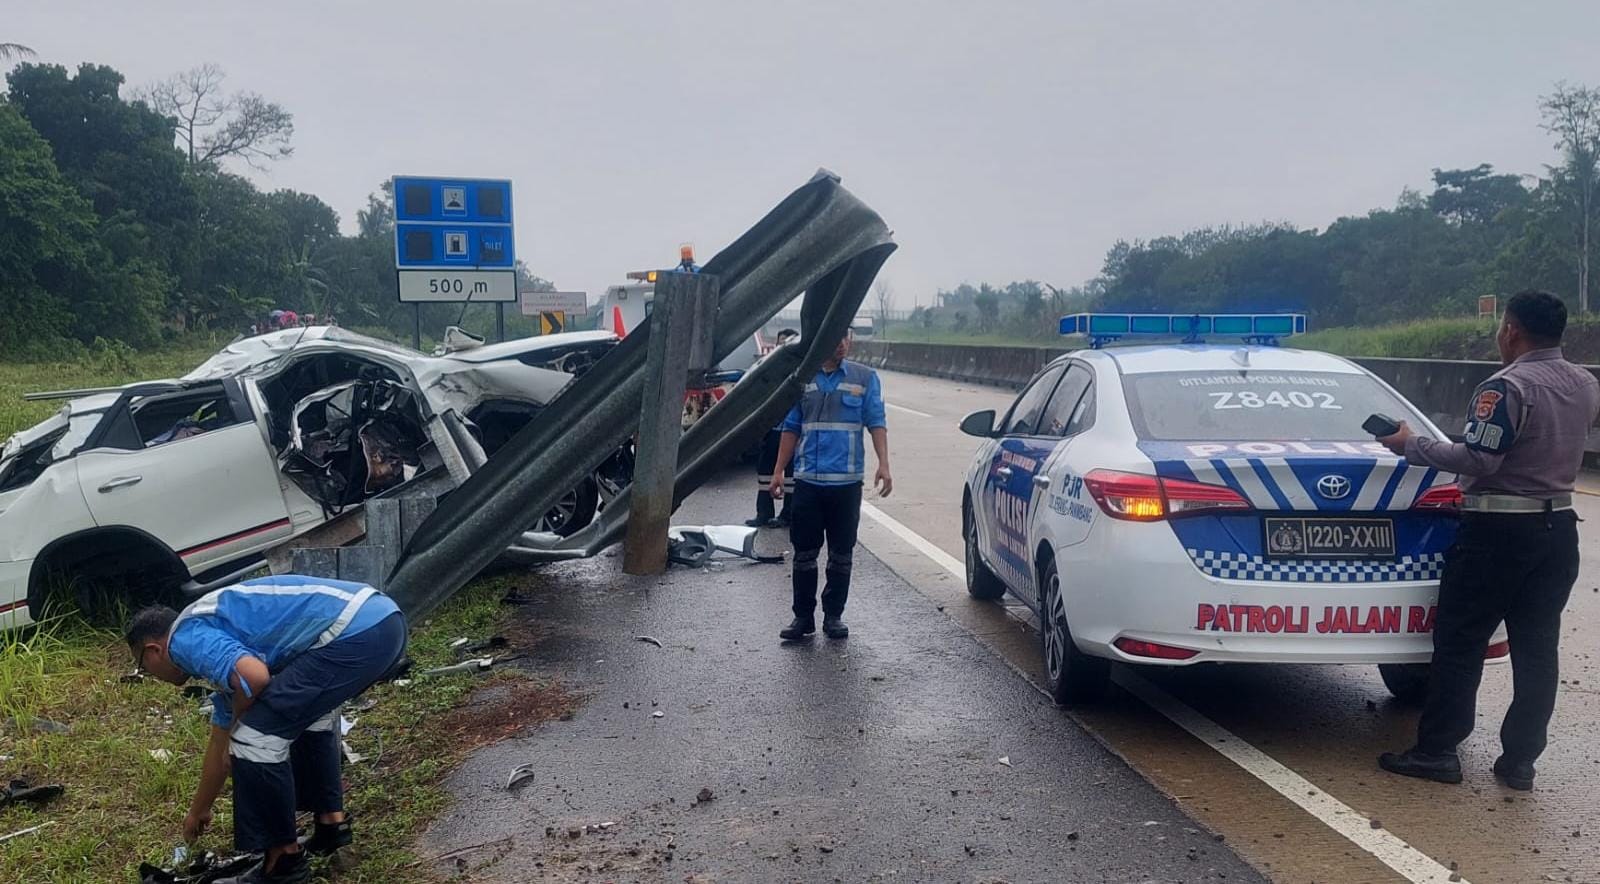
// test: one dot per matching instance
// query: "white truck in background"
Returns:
(626, 307)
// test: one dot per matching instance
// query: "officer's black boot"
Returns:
(833, 627)
(328, 837)
(1422, 765)
(764, 509)
(1515, 774)
(798, 629)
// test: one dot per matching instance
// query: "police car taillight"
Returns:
(1440, 497)
(1138, 648)
(1135, 497)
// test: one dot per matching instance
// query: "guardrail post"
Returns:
(683, 316)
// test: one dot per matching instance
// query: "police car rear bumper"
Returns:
(1136, 582)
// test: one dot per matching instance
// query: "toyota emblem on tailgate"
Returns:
(1333, 487)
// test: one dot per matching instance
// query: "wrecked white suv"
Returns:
(169, 488)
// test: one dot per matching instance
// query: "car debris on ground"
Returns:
(475, 665)
(466, 647)
(518, 774)
(702, 546)
(20, 792)
(204, 868)
(28, 831)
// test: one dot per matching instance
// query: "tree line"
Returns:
(1478, 232)
(121, 221)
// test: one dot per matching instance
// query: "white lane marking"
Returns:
(1411, 863)
(907, 410)
(917, 541)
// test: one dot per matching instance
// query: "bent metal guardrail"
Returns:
(821, 241)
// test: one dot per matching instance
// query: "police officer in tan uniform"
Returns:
(1516, 554)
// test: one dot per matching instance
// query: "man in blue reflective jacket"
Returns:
(282, 655)
(823, 436)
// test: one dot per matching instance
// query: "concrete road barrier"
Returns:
(1440, 388)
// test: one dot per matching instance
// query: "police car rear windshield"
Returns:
(1237, 406)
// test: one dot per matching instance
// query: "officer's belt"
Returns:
(1513, 503)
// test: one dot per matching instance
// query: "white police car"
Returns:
(1179, 503)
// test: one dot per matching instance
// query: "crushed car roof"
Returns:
(246, 352)
(514, 348)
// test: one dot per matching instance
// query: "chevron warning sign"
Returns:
(552, 323)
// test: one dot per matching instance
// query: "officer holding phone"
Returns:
(1516, 554)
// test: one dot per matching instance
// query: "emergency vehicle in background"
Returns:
(626, 307)
(1187, 502)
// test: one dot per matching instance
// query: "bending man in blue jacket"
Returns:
(282, 655)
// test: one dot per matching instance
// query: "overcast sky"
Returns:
(1000, 140)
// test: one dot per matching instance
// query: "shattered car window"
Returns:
(169, 418)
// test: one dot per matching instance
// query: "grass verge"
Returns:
(106, 367)
(1464, 337)
(124, 804)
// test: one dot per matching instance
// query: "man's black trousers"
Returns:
(823, 513)
(286, 747)
(766, 510)
(1517, 568)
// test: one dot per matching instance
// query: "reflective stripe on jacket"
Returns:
(829, 419)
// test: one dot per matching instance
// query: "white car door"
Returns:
(1006, 495)
(1063, 509)
(209, 491)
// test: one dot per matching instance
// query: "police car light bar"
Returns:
(1193, 328)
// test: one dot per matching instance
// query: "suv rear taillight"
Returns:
(1440, 497)
(1135, 497)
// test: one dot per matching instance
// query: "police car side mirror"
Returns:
(979, 423)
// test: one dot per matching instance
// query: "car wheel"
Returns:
(105, 599)
(1408, 682)
(1072, 676)
(573, 511)
(981, 582)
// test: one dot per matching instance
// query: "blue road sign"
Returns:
(456, 223)
(481, 247)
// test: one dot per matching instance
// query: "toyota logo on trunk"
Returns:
(1333, 487)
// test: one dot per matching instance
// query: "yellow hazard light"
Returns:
(643, 275)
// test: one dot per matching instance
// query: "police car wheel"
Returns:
(1408, 682)
(981, 582)
(1073, 677)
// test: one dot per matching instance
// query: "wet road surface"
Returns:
(1324, 724)
(876, 758)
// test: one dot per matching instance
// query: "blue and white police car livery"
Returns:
(1185, 502)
